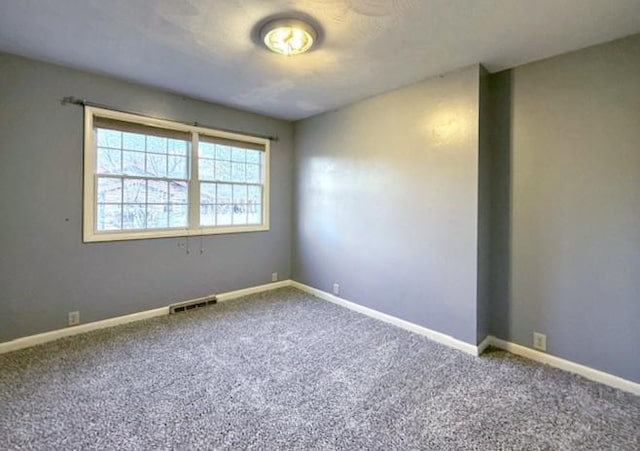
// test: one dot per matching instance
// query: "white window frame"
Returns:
(90, 232)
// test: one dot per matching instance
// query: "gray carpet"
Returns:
(283, 370)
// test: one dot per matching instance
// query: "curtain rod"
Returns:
(82, 102)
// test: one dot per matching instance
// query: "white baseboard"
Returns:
(33, 340)
(252, 290)
(484, 344)
(412, 327)
(567, 365)
(557, 362)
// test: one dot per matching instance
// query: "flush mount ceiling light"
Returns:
(288, 36)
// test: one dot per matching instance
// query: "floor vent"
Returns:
(191, 305)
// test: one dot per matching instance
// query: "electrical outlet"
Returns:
(540, 341)
(73, 318)
(336, 288)
(274, 276)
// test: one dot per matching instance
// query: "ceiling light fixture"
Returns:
(288, 36)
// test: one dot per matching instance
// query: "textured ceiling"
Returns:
(205, 48)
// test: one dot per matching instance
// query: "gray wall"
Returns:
(484, 207)
(46, 270)
(566, 243)
(500, 202)
(387, 202)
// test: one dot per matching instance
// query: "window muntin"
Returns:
(147, 178)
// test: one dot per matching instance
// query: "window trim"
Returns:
(90, 234)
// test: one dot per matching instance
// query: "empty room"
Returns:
(320, 225)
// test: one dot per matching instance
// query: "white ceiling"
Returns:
(205, 49)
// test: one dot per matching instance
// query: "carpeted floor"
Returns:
(283, 370)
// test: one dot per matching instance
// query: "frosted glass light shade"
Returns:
(288, 36)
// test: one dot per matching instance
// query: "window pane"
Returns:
(223, 152)
(135, 191)
(223, 216)
(223, 171)
(109, 138)
(253, 173)
(239, 194)
(178, 215)
(178, 147)
(109, 217)
(253, 156)
(133, 141)
(157, 192)
(207, 193)
(238, 154)
(224, 194)
(254, 214)
(156, 165)
(239, 204)
(157, 216)
(156, 144)
(207, 150)
(206, 169)
(237, 172)
(254, 205)
(255, 194)
(133, 163)
(134, 216)
(239, 214)
(109, 161)
(177, 167)
(109, 190)
(207, 215)
(178, 192)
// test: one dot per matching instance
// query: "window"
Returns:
(148, 178)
